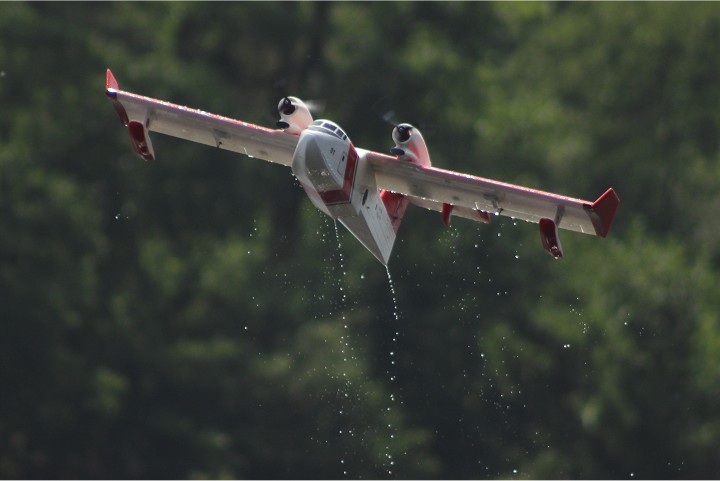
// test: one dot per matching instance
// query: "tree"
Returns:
(197, 317)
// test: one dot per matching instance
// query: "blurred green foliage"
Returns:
(196, 317)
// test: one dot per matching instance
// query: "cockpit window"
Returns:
(329, 128)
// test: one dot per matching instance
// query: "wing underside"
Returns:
(471, 196)
(142, 114)
(450, 193)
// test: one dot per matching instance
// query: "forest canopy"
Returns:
(197, 317)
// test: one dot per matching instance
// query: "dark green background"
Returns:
(196, 317)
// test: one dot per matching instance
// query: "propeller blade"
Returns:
(315, 106)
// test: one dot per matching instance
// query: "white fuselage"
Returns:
(335, 176)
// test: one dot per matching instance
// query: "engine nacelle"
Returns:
(295, 116)
(410, 145)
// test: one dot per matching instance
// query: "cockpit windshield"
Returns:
(329, 127)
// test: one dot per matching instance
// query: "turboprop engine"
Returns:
(410, 145)
(295, 115)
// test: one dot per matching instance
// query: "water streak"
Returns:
(391, 372)
(346, 350)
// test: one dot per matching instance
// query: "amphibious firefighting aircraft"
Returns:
(368, 192)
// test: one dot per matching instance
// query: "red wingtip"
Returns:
(111, 89)
(110, 81)
(602, 212)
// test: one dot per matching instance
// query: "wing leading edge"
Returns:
(143, 114)
(448, 192)
(472, 196)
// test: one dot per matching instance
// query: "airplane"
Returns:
(368, 192)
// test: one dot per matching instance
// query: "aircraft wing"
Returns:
(142, 114)
(471, 197)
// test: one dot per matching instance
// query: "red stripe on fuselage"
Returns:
(343, 195)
